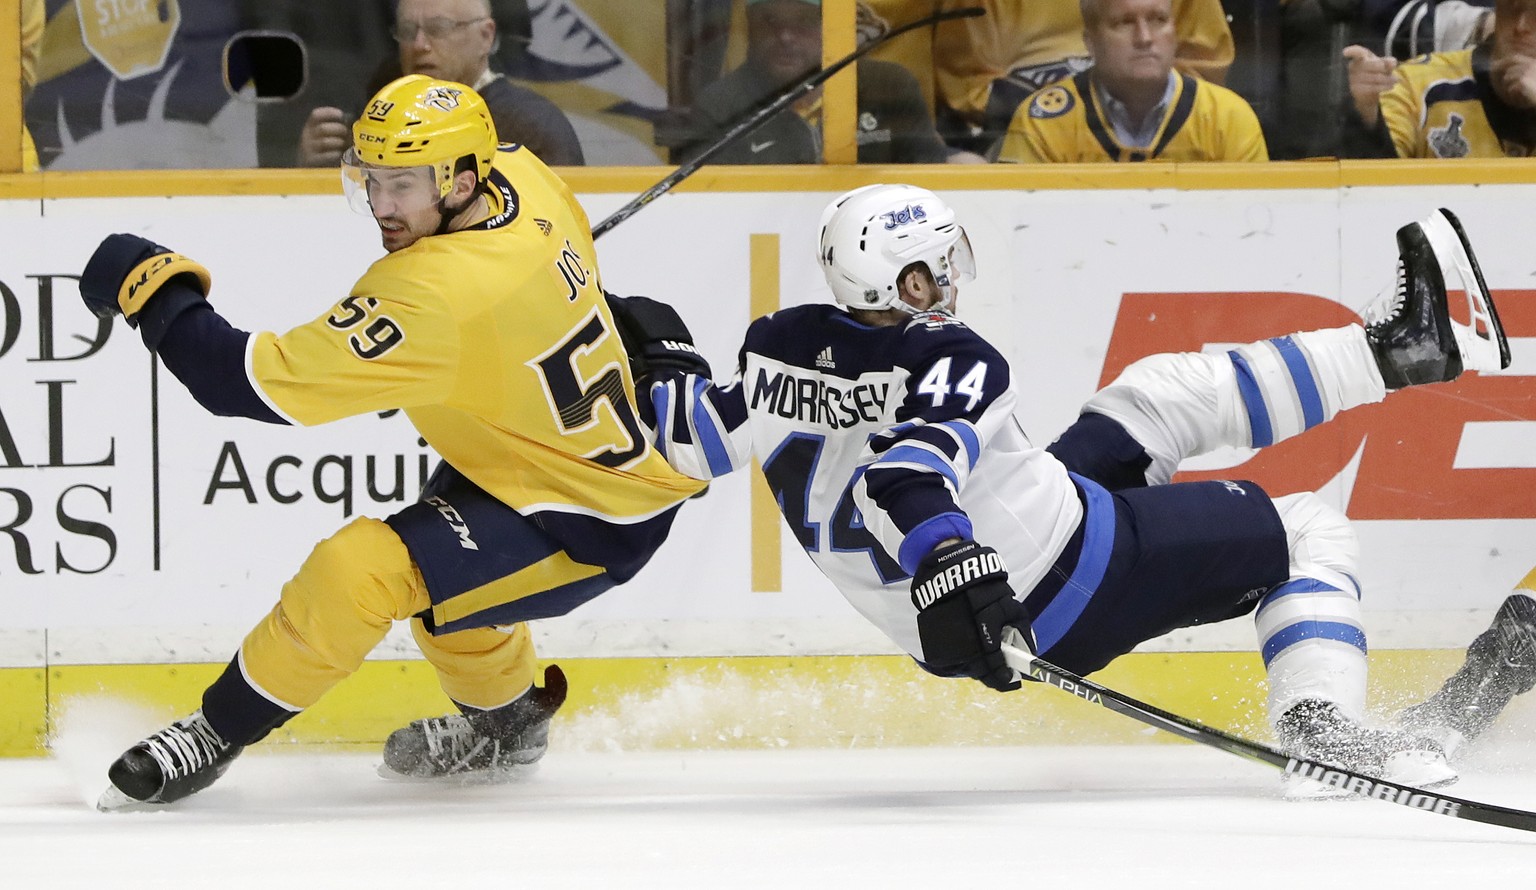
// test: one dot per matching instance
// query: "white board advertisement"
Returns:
(134, 527)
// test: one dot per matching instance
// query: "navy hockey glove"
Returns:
(963, 603)
(655, 337)
(126, 271)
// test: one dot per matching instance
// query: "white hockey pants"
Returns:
(1186, 404)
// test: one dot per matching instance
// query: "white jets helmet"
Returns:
(870, 234)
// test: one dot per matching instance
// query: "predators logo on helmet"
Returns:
(418, 121)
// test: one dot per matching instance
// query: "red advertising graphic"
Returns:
(1410, 441)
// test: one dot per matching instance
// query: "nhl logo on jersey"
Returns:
(1052, 102)
(1447, 141)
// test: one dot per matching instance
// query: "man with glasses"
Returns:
(453, 40)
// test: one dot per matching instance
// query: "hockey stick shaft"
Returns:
(1032, 667)
(760, 116)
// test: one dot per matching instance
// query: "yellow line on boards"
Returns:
(767, 529)
(703, 703)
(1323, 174)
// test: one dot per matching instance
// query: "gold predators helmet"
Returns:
(417, 121)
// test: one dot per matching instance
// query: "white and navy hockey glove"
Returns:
(963, 604)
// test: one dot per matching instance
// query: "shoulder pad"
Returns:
(1051, 102)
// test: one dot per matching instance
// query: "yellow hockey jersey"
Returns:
(1443, 106)
(497, 342)
(1042, 40)
(1065, 124)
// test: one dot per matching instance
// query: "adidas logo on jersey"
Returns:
(544, 225)
(824, 359)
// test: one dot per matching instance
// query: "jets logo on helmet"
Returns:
(908, 214)
(871, 234)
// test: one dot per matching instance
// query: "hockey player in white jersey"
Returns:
(885, 429)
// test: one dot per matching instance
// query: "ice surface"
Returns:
(1143, 817)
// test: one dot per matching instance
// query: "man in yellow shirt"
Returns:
(1471, 103)
(985, 67)
(487, 323)
(1131, 105)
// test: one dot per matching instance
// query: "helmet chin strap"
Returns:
(446, 214)
(946, 300)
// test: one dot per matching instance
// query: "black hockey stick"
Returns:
(760, 116)
(1022, 660)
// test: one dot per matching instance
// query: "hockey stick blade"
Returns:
(1032, 667)
(760, 116)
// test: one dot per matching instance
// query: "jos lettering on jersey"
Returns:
(810, 399)
(572, 270)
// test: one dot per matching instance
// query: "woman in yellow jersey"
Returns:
(486, 322)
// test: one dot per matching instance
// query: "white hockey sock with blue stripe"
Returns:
(1290, 384)
(1311, 634)
(1313, 645)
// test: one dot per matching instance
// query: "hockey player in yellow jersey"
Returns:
(486, 322)
(1131, 105)
(1471, 103)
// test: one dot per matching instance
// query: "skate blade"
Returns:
(115, 801)
(1299, 789)
(501, 776)
(1483, 344)
(1419, 769)
(1424, 770)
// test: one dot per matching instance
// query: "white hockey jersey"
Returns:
(878, 443)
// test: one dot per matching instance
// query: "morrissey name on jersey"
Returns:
(811, 398)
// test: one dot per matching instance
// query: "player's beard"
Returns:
(398, 234)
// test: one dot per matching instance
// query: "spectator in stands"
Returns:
(987, 66)
(1470, 103)
(1130, 104)
(454, 40)
(783, 45)
(1404, 29)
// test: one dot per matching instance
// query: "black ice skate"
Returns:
(1501, 664)
(478, 744)
(1411, 331)
(178, 761)
(1314, 730)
